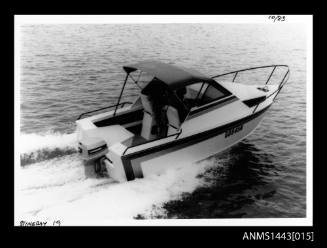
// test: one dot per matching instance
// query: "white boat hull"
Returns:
(156, 162)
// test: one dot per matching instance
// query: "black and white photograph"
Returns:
(163, 120)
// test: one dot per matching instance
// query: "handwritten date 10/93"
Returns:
(277, 18)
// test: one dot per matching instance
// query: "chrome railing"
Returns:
(112, 106)
(280, 85)
(168, 136)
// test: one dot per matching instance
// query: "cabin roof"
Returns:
(173, 76)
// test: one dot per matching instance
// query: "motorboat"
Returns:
(174, 115)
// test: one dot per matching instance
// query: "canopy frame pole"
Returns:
(197, 96)
(121, 93)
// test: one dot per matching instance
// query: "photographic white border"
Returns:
(307, 20)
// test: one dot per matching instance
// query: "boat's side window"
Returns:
(211, 94)
(193, 92)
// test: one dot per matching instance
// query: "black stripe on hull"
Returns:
(254, 101)
(179, 144)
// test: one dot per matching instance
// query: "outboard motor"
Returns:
(94, 150)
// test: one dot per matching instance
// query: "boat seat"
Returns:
(174, 122)
(148, 118)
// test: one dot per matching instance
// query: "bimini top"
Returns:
(173, 76)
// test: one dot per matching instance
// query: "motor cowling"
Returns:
(92, 148)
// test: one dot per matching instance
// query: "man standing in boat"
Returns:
(160, 97)
(157, 92)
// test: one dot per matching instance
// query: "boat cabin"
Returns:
(166, 97)
(167, 94)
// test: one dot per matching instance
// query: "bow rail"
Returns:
(274, 67)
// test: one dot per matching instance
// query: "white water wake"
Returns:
(64, 189)
(33, 142)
